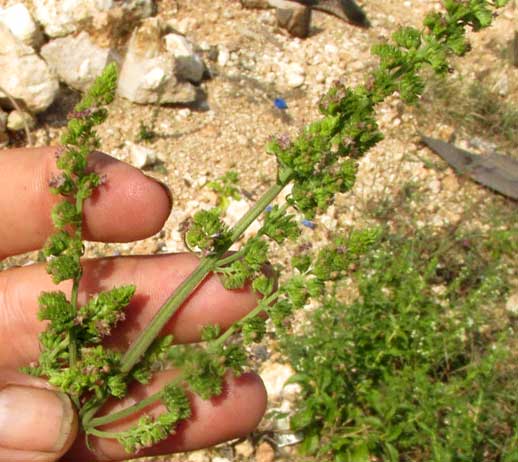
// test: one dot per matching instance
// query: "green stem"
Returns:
(173, 303)
(106, 419)
(263, 202)
(231, 258)
(72, 349)
(102, 434)
(252, 314)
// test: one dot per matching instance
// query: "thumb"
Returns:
(37, 423)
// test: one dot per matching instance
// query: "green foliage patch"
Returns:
(416, 368)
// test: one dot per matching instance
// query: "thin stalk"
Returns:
(231, 258)
(252, 314)
(106, 419)
(173, 303)
(72, 349)
(102, 434)
(97, 421)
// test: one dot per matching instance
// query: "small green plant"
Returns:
(319, 163)
(412, 370)
(227, 188)
(145, 133)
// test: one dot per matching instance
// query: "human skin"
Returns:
(128, 207)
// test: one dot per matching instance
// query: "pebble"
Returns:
(264, 453)
(198, 456)
(223, 56)
(511, 305)
(244, 449)
(435, 186)
(17, 120)
(451, 183)
(295, 75)
(320, 77)
(141, 156)
(274, 376)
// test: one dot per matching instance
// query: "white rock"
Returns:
(223, 56)
(148, 73)
(76, 59)
(512, 304)
(19, 21)
(140, 156)
(183, 113)
(29, 79)
(295, 75)
(189, 65)
(17, 120)
(274, 377)
(198, 456)
(435, 186)
(62, 17)
(244, 449)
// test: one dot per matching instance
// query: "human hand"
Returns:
(38, 423)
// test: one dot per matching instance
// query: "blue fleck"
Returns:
(280, 103)
(268, 209)
(308, 224)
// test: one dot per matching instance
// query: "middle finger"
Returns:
(155, 278)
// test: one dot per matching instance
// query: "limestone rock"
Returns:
(29, 79)
(244, 449)
(274, 376)
(293, 16)
(148, 73)
(141, 156)
(62, 17)
(19, 21)
(76, 60)
(295, 75)
(189, 65)
(17, 120)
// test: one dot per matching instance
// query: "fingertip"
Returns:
(128, 206)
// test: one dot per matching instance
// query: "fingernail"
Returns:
(34, 419)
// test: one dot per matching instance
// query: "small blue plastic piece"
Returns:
(280, 103)
(269, 208)
(308, 224)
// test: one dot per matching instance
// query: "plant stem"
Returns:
(102, 434)
(231, 258)
(173, 303)
(127, 411)
(97, 421)
(75, 285)
(252, 314)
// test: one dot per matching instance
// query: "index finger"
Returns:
(129, 206)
